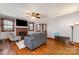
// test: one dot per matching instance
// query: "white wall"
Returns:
(61, 24)
(4, 35)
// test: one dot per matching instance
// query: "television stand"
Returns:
(62, 39)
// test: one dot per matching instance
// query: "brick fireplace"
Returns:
(21, 31)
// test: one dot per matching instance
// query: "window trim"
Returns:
(32, 26)
(2, 25)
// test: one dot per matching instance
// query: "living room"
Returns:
(39, 29)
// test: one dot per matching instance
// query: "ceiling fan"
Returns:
(34, 14)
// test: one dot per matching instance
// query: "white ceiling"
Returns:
(47, 10)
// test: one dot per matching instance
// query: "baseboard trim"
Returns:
(50, 38)
(76, 43)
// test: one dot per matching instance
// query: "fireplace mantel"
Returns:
(21, 27)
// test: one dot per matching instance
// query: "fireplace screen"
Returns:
(22, 33)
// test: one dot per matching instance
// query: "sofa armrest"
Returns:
(27, 41)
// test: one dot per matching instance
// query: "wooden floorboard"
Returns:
(51, 48)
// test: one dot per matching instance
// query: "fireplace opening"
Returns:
(22, 34)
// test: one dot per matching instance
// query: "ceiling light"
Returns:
(33, 17)
(71, 24)
(77, 23)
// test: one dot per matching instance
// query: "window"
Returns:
(31, 26)
(7, 25)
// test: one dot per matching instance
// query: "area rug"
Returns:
(20, 44)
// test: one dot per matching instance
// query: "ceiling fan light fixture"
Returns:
(33, 17)
(37, 14)
(77, 23)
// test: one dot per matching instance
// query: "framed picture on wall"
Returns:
(31, 26)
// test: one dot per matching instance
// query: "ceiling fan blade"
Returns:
(33, 14)
(37, 14)
(37, 17)
(28, 13)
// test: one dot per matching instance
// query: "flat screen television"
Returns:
(21, 22)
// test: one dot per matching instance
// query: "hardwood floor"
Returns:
(51, 48)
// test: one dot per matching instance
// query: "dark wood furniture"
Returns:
(62, 39)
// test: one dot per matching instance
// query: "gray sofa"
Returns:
(34, 40)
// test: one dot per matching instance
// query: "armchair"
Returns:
(13, 37)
